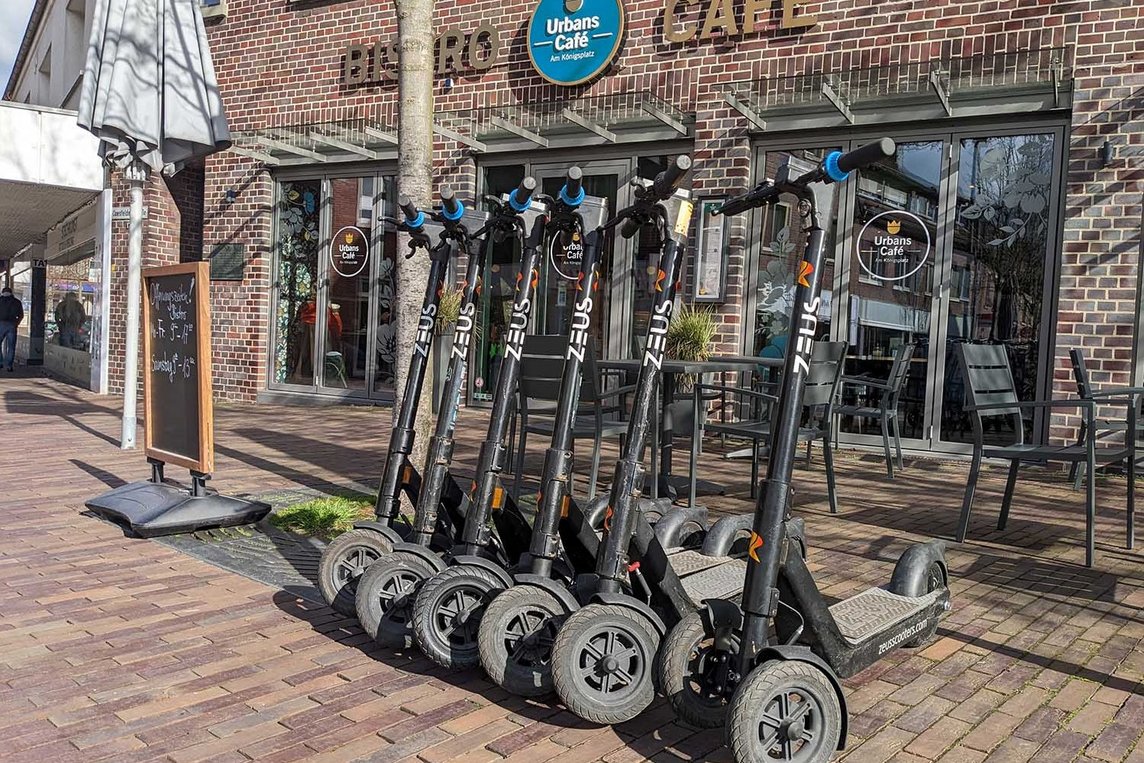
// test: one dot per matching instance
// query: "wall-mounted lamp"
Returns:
(1107, 153)
(231, 196)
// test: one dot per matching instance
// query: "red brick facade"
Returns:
(282, 63)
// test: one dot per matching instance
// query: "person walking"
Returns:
(11, 313)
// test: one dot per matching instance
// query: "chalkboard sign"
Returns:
(179, 418)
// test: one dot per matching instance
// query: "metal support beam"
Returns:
(830, 88)
(344, 145)
(747, 112)
(941, 87)
(1058, 70)
(472, 143)
(508, 126)
(260, 156)
(381, 135)
(666, 118)
(289, 148)
(588, 125)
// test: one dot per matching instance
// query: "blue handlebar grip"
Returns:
(572, 201)
(833, 171)
(526, 188)
(416, 223)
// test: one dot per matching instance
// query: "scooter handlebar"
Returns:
(452, 209)
(756, 197)
(414, 218)
(838, 165)
(521, 196)
(667, 181)
(572, 194)
(630, 227)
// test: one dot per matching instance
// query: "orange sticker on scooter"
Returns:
(756, 544)
(659, 277)
(608, 519)
(804, 271)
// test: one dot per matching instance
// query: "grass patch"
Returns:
(324, 517)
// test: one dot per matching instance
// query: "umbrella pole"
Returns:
(137, 175)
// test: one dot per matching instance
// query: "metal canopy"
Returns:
(1005, 83)
(590, 121)
(351, 140)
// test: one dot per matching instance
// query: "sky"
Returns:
(13, 19)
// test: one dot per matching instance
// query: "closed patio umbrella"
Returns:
(150, 95)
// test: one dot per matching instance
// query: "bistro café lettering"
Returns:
(484, 46)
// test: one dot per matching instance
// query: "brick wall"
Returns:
(282, 63)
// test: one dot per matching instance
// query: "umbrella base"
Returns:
(148, 509)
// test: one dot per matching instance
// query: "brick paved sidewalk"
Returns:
(118, 649)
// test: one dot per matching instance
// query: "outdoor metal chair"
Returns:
(822, 382)
(598, 415)
(1105, 428)
(885, 410)
(990, 391)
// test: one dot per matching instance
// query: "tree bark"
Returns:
(414, 179)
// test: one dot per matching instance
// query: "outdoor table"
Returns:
(661, 482)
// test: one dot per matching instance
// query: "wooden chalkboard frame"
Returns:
(202, 272)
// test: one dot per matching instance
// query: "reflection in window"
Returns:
(299, 210)
(1000, 246)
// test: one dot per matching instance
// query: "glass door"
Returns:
(889, 282)
(998, 278)
(554, 308)
(296, 337)
(383, 268)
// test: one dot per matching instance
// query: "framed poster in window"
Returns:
(711, 238)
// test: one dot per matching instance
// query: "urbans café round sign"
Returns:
(897, 253)
(349, 252)
(571, 41)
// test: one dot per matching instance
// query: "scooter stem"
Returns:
(388, 502)
(760, 594)
(556, 477)
(440, 453)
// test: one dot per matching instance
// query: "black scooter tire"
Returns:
(681, 657)
(385, 596)
(516, 613)
(457, 590)
(751, 711)
(589, 695)
(343, 562)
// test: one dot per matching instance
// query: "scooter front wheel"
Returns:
(693, 674)
(343, 563)
(602, 663)
(784, 711)
(385, 597)
(515, 640)
(448, 612)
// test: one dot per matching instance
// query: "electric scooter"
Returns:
(770, 661)
(494, 530)
(347, 556)
(516, 632)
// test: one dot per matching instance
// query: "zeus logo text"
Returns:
(425, 330)
(464, 330)
(578, 335)
(657, 335)
(517, 325)
(808, 322)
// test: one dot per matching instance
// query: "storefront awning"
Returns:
(49, 167)
(1005, 83)
(590, 121)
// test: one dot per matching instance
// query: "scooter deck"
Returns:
(708, 577)
(874, 611)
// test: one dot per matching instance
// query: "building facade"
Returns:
(1011, 213)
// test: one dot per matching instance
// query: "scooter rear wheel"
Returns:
(689, 674)
(935, 579)
(343, 563)
(385, 596)
(602, 663)
(448, 612)
(784, 711)
(515, 640)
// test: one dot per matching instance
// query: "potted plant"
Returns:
(448, 313)
(690, 337)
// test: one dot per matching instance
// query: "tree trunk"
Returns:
(414, 179)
